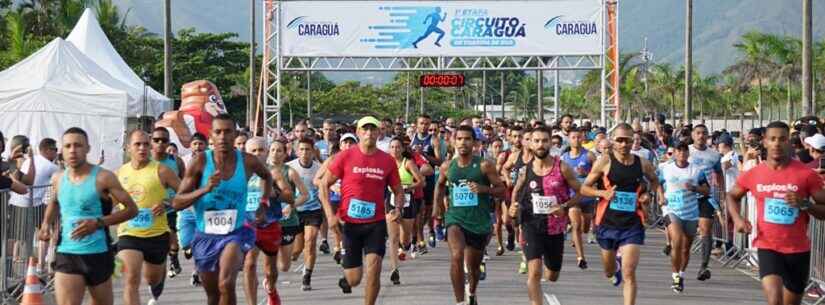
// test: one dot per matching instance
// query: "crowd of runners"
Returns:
(382, 188)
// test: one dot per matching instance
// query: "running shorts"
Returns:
(96, 268)
(311, 218)
(472, 240)
(360, 239)
(288, 234)
(612, 239)
(538, 245)
(268, 239)
(688, 226)
(792, 268)
(154, 249)
(207, 248)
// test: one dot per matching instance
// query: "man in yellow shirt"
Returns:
(143, 241)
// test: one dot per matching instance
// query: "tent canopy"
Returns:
(90, 39)
(58, 87)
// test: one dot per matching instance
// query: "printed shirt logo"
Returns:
(778, 190)
(369, 172)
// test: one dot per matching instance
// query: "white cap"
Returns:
(816, 141)
(348, 136)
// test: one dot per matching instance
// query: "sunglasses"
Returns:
(160, 140)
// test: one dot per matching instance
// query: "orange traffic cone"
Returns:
(33, 291)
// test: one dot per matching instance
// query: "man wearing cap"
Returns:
(816, 147)
(365, 173)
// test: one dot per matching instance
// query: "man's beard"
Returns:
(541, 154)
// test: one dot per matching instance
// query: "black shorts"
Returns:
(541, 245)
(409, 212)
(472, 240)
(706, 210)
(172, 219)
(154, 249)
(288, 234)
(361, 239)
(96, 268)
(792, 268)
(311, 218)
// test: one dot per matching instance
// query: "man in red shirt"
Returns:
(782, 188)
(365, 173)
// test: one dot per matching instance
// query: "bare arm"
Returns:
(168, 179)
(650, 173)
(112, 187)
(181, 168)
(587, 188)
(817, 209)
(417, 177)
(573, 183)
(282, 184)
(496, 187)
(302, 189)
(52, 208)
(187, 193)
(256, 166)
(440, 189)
(734, 197)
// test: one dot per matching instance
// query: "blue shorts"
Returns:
(611, 239)
(186, 228)
(207, 248)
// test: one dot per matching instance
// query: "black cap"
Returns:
(681, 145)
(725, 138)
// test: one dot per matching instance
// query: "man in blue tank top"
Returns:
(160, 145)
(84, 258)
(581, 215)
(216, 184)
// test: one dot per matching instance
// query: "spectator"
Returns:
(816, 148)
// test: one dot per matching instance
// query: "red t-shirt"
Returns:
(363, 181)
(419, 161)
(780, 230)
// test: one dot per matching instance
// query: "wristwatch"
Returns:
(805, 205)
(100, 223)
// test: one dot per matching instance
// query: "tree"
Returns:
(785, 52)
(756, 60)
(667, 82)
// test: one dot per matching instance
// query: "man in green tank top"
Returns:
(470, 181)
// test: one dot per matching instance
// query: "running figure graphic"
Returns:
(437, 18)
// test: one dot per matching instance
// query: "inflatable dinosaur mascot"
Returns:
(200, 102)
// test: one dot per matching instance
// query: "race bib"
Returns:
(220, 222)
(543, 204)
(675, 200)
(407, 199)
(463, 197)
(778, 211)
(623, 201)
(360, 209)
(143, 220)
(253, 201)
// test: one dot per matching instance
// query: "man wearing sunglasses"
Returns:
(620, 214)
(160, 144)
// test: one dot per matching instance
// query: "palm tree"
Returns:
(668, 83)
(786, 53)
(755, 62)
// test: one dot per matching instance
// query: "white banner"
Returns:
(440, 28)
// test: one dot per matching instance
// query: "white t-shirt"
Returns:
(643, 153)
(384, 144)
(731, 173)
(44, 169)
(680, 201)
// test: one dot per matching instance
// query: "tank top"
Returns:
(292, 219)
(540, 193)
(171, 163)
(581, 166)
(78, 202)
(405, 175)
(622, 211)
(469, 210)
(147, 191)
(426, 143)
(253, 202)
(307, 175)
(516, 167)
(221, 211)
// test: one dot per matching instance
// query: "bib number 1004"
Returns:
(220, 222)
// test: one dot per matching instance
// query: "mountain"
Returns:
(717, 25)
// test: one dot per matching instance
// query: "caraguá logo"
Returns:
(311, 28)
(563, 27)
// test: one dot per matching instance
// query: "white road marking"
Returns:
(551, 299)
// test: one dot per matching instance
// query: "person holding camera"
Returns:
(9, 178)
(816, 148)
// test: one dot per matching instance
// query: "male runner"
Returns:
(708, 160)
(186, 218)
(365, 173)
(160, 146)
(216, 183)
(143, 242)
(310, 212)
(782, 187)
(620, 214)
(267, 233)
(581, 160)
(84, 260)
(426, 142)
(517, 160)
(541, 194)
(471, 181)
(683, 183)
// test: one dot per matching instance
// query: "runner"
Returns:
(708, 160)
(683, 182)
(324, 148)
(620, 214)
(216, 184)
(540, 197)
(517, 160)
(427, 143)
(497, 154)
(411, 181)
(471, 181)
(581, 215)
(290, 224)
(782, 187)
(186, 217)
(310, 212)
(365, 173)
(81, 200)
(143, 242)
(160, 146)
(268, 232)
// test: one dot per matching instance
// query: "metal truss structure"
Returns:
(274, 63)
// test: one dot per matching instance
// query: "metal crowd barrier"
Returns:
(18, 231)
(817, 233)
